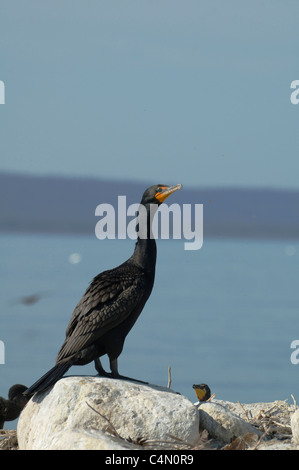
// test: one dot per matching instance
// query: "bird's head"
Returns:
(202, 391)
(15, 394)
(157, 193)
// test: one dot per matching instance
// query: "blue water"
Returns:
(224, 315)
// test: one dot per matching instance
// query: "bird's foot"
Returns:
(114, 373)
(105, 374)
(100, 370)
(123, 377)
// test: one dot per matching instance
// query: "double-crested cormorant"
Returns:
(112, 303)
(10, 409)
(202, 391)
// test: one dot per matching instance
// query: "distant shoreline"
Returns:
(262, 237)
(66, 205)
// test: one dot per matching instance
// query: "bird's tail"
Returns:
(48, 379)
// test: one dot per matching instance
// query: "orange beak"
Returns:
(167, 191)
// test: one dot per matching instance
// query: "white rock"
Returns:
(223, 424)
(295, 426)
(60, 418)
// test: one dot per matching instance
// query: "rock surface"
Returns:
(295, 426)
(261, 426)
(100, 413)
(222, 424)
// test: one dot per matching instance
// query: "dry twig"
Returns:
(112, 429)
(169, 377)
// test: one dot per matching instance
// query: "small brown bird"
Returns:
(202, 391)
(10, 409)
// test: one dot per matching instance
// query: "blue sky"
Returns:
(196, 92)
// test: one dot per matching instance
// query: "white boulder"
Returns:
(222, 424)
(101, 413)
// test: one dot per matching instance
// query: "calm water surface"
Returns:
(224, 315)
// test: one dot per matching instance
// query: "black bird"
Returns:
(112, 303)
(202, 391)
(10, 409)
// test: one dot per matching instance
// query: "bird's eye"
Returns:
(159, 190)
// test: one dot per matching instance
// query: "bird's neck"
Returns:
(145, 252)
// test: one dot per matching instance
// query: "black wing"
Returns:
(108, 301)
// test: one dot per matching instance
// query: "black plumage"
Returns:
(202, 391)
(10, 409)
(111, 304)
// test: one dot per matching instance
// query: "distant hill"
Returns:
(67, 205)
